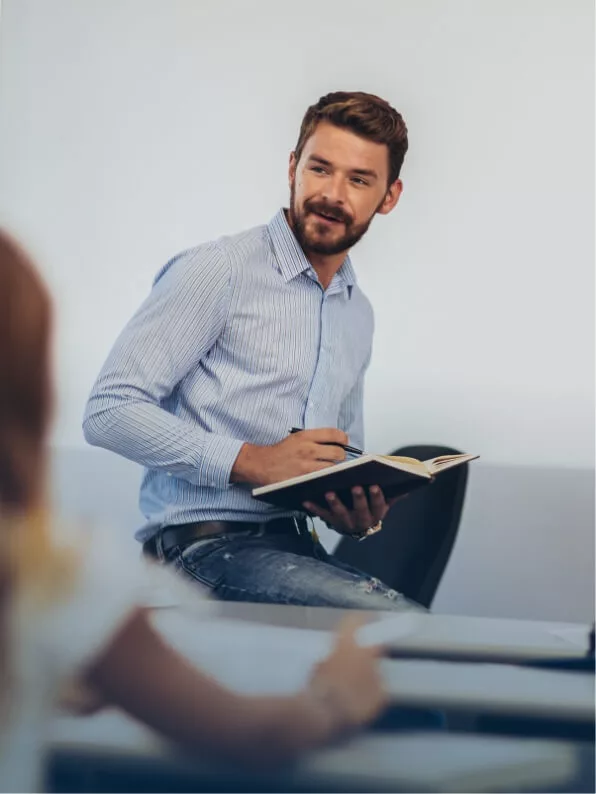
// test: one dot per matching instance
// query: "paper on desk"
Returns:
(390, 629)
(252, 658)
(576, 635)
(255, 658)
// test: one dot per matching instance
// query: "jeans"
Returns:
(281, 569)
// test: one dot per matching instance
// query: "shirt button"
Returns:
(212, 484)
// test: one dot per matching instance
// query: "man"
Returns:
(242, 339)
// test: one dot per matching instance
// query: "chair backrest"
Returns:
(411, 553)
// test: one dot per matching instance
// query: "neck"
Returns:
(326, 266)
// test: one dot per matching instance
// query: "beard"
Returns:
(323, 240)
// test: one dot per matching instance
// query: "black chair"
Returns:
(412, 551)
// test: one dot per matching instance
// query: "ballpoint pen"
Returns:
(346, 447)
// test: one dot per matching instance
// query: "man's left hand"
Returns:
(366, 512)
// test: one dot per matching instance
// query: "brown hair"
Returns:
(27, 558)
(25, 394)
(366, 115)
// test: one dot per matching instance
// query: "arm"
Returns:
(140, 673)
(170, 334)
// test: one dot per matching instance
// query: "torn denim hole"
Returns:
(368, 585)
(373, 584)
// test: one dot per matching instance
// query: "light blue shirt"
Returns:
(237, 342)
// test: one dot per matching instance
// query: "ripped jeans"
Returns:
(282, 569)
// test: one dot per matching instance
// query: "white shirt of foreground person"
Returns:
(51, 636)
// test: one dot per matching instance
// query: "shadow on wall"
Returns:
(525, 546)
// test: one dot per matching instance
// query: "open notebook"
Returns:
(396, 475)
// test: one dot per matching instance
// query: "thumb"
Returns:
(346, 631)
(346, 636)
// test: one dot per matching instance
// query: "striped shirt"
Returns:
(237, 342)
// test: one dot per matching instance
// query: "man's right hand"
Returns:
(299, 453)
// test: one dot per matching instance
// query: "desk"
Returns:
(435, 636)
(110, 749)
(497, 689)
(260, 659)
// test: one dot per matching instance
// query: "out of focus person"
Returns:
(51, 584)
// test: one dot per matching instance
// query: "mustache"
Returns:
(323, 208)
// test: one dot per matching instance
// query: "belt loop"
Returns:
(297, 525)
(159, 552)
(313, 530)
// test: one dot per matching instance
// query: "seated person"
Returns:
(242, 339)
(48, 587)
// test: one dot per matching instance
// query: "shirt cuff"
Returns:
(217, 460)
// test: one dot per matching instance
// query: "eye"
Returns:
(358, 180)
(318, 169)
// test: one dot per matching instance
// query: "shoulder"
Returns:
(215, 262)
(193, 267)
(240, 247)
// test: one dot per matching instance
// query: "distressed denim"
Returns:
(282, 569)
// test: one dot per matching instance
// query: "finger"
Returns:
(347, 631)
(316, 465)
(348, 627)
(340, 513)
(371, 652)
(312, 451)
(318, 511)
(363, 515)
(325, 434)
(377, 651)
(329, 452)
(378, 505)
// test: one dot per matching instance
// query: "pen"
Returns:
(347, 448)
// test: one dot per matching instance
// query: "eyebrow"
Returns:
(360, 171)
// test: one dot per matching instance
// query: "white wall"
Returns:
(131, 129)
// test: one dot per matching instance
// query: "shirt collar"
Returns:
(292, 260)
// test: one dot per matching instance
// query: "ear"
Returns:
(391, 197)
(292, 168)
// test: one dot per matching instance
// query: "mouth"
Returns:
(327, 219)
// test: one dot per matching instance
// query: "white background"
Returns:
(131, 129)
(134, 128)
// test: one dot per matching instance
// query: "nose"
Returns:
(334, 191)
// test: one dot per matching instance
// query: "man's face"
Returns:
(336, 188)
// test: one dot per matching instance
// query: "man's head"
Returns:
(344, 170)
